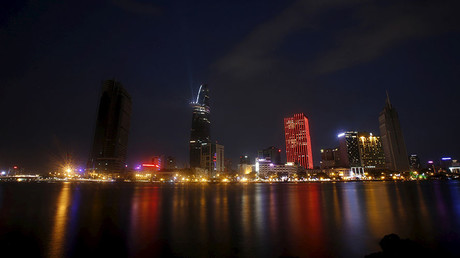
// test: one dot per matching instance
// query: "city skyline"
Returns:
(133, 128)
(51, 84)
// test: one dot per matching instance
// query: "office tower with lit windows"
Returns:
(371, 151)
(298, 142)
(349, 149)
(201, 124)
(271, 153)
(392, 139)
(110, 143)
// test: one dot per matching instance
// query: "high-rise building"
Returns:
(371, 151)
(298, 143)
(392, 139)
(272, 153)
(330, 158)
(200, 132)
(108, 154)
(212, 158)
(349, 149)
(414, 162)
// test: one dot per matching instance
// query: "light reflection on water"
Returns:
(58, 234)
(313, 219)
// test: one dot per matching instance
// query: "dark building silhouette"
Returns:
(200, 132)
(330, 158)
(245, 159)
(108, 154)
(272, 153)
(445, 163)
(396, 158)
(170, 163)
(414, 162)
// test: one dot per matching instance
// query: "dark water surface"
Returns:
(269, 220)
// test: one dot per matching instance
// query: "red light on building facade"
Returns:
(298, 143)
(150, 165)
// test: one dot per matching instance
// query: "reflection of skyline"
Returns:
(309, 224)
(143, 217)
(353, 217)
(378, 209)
(315, 219)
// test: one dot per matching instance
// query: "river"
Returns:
(346, 219)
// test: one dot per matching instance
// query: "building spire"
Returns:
(388, 99)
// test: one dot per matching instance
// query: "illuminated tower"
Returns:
(394, 147)
(298, 144)
(371, 151)
(200, 132)
(110, 142)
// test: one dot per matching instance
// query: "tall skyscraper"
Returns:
(298, 143)
(110, 144)
(392, 138)
(200, 132)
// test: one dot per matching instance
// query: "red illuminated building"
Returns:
(298, 144)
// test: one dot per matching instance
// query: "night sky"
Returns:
(263, 60)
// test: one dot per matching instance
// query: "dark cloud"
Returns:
(254, 54)
(379, 27)
(384, 27)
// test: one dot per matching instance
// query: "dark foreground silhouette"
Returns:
(393, 246)
(111, 244)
